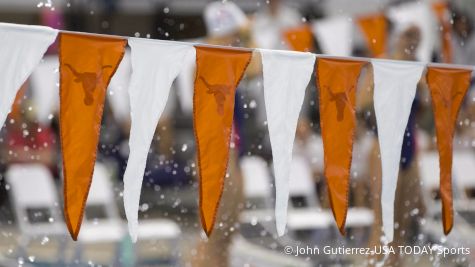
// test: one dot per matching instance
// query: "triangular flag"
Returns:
(87, 63)
(375, 29)
(118, 95)
(45, 85)
(185, 83)
(286, 76)
(22, 49)
(395, 85)
(218, 72)
(416, 14)
(155, 65)
(334, 35)
(448, 88)
(441, 10)
(299, 38)
(337, 80)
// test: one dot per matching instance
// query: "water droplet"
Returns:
(184, 147)
(44, 240)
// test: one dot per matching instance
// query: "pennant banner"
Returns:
(286, 76)
(218, 72)
(420, 15)
(22, 49)
(337, 80)
(442, 12)
(45, 88)
(118, 95)
(334, 35)
(395, 85)
(185, 83)
(375, 30)
(448, 88)
(87, 63)
(155, 66)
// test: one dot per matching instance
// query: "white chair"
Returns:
(359, 221)
(301, 186)
(309, 219)
(257, 181)
(157, 233)
(34, 199)
(108, 226)
(429, 169)
(102, 223)
(464, 173)
(462, 169)
(101, 226)
(244, 252)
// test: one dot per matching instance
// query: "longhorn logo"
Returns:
(341, 99)
(89, 82)
(220, 91)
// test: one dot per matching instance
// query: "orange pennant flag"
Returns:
(16, 110)
(300, 38)
(87, 64)
(448, 88)
(375, 28)
(337, 80)
(441, 10)
(218, 72)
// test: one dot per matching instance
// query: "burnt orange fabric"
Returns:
(300, 38)
(87, 63)
(441, 10)
(337, 81)
(374, 28)
(16, 111)
(218, 72)
(448, 88)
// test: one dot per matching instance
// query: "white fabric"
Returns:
(117, 92)
(334, 35)
(21, 50)
(286, 76)
(223, 18)
(155, 65)
(395, 85)
(418, 14)
(45, 87)
(185, 83)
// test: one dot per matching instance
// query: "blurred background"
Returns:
(32, 229)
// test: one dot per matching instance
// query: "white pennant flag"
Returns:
(395, 85)
(21, 51)
(416, 14)
(286, 76)
(45, 87)
(185, 83)
(334, 35)
(155, 65)
(118, 95)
